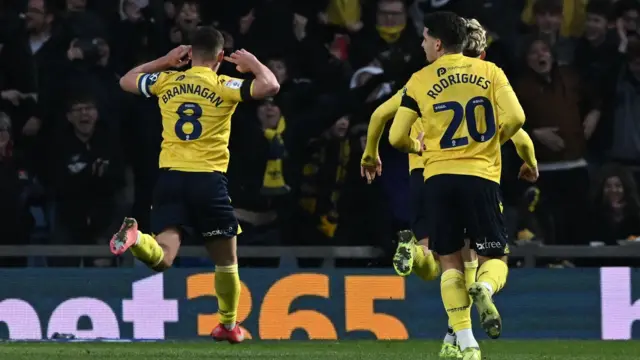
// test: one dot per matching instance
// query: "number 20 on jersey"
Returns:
(461, 112)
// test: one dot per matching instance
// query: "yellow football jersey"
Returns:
(196, 106)
(456, 98)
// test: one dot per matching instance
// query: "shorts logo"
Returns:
(488, 245)
(233, 84)
(219, 232)
(441, 71)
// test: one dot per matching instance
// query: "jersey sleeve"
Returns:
(511, 114)
(408, 113)
(379, 119)
(150, 84)
(410, 96)
(234, 89)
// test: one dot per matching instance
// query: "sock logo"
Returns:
(463, 308)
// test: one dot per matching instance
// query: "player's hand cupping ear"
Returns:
(178, 57)
(243, 60)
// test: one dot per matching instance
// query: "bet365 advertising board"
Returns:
(324, 304)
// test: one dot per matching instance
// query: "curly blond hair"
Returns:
(476, 39)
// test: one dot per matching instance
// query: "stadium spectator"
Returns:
(546, 25)
(615, 206)
(15, 220)
(596, 54)
(89, 175)
(553, 99)
(390, 38)
(621, 132)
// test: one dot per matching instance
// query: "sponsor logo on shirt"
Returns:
(233, 84)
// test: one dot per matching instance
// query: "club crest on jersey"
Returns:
(441, 71)
(233, 84)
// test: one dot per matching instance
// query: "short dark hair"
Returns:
(600, 8)
(548, 7)
(80, 96)
(206, 42)
(449, 28)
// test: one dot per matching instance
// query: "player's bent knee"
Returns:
(452, 261)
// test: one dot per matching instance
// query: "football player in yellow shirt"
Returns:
(464, 103)
(462, 169)
(191, 190)
(413, 256)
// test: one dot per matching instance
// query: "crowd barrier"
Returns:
(528, 253)
(325, 304)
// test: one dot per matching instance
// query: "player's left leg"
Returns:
(489, 240)
(442, 201)
(223, 252)
(216, 222)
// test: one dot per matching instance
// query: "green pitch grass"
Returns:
(347, 350)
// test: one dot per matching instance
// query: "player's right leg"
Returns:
(216, 222)
(158, 252)
(168, 214)
(411, 255)
(441, 196)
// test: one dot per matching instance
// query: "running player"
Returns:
(467, 102)
(413, 256)
(191, 190)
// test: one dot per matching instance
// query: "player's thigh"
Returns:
(442, 224)
(210, 209)
(483, 217)
(169, 213)
(417, 210)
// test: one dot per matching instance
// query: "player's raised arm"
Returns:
(407, 114)
(379, 119)
(265, 84)
(141, 79)
(512, 115)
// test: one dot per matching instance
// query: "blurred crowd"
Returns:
(77, 154)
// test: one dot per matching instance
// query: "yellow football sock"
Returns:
(493, 273)
(456, 299)
(424, 264)
(470, 271)
(147, 250)
(227, 285)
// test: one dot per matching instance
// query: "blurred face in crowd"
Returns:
(630, 20)
(613, 190)
(83, 117)
(279, 69)
(549, 22)
(431, 46)
(595, 28)
(76, 5)
(391, 13)
(188, 17)
(37, 20)
(269, 114)
(340, 128)
(539, 58)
